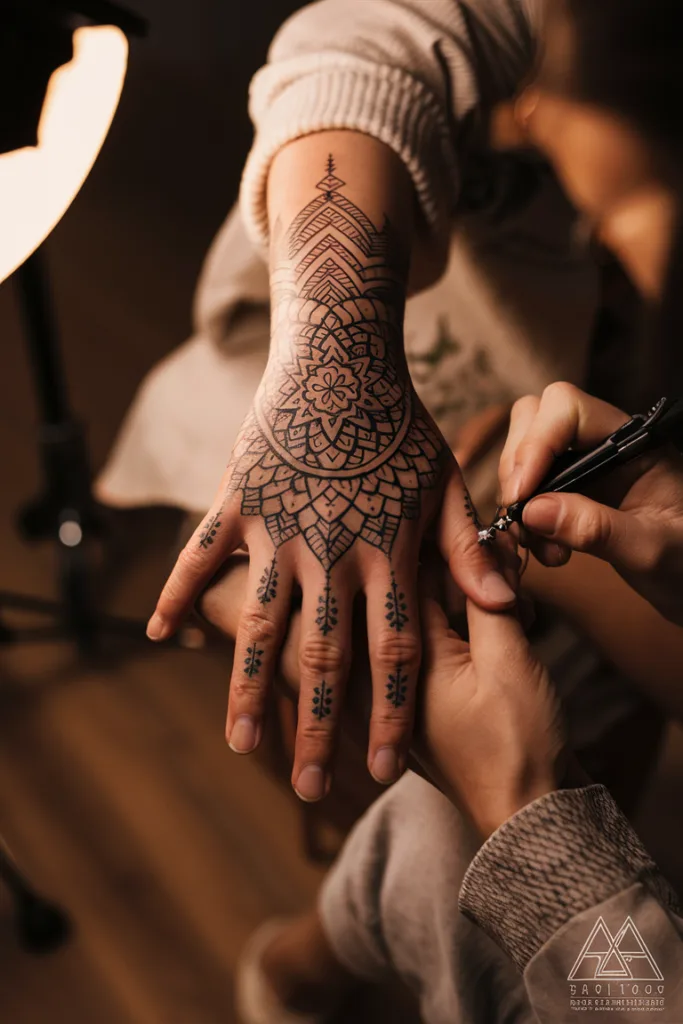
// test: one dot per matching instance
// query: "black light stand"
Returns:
(65, 510)
(37, 40)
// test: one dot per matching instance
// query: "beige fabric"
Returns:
(407, 72)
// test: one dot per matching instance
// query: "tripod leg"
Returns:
(41, 926)
(63, 449)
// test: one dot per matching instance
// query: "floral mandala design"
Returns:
(334, 449)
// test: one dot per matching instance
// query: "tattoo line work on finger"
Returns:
(267, 588)
(209, 530)
(252, 662)
(397, 687)
(335, 448)
(396, 606)
(322, 701)
(471, 511)
(326, 619)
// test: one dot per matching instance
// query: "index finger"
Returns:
(566, 417)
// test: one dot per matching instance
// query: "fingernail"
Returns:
(495, 589)
(310, 786)
(244, 735)
(541, 515)
(385, 767)
(157, 628)
(561, 554)
(513, 489)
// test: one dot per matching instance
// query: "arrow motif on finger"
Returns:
(252, 662)
(267, 588)
(322, 701)
(327, 610)
(396, 607)
(209, 531)
(397, 687)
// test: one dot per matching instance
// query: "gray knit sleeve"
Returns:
(561, 855)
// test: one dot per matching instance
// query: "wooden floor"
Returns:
(121, 800)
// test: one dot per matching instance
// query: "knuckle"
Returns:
(560, 392)
(177, 592)
(523, 406)
(313, 732)
(319, 657)
(192, 560)
(392, 721)
(246, 690)
(257, 626)
(591, 527)
(403, 649)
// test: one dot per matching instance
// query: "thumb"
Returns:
(585, 525)
(439, 638)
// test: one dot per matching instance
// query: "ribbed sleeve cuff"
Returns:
(561, 855)
(380, 101)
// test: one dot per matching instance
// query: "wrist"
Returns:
(530, 782)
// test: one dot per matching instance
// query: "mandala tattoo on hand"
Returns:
(336, 448)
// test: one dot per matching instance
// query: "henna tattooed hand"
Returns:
(335, 474)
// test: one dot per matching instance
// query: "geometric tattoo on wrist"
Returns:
(322, 701)
(335, 448)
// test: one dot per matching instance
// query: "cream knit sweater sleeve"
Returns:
(404, 71)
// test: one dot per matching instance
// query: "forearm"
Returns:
(340, 210)
(375, 180)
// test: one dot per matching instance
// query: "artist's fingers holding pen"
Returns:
(564, 418)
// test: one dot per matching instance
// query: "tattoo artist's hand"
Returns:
(335, 475)
(638, 528)
(491, 731)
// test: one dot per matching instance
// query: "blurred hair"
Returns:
(627, 57)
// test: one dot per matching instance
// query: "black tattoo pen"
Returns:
(574, 471)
